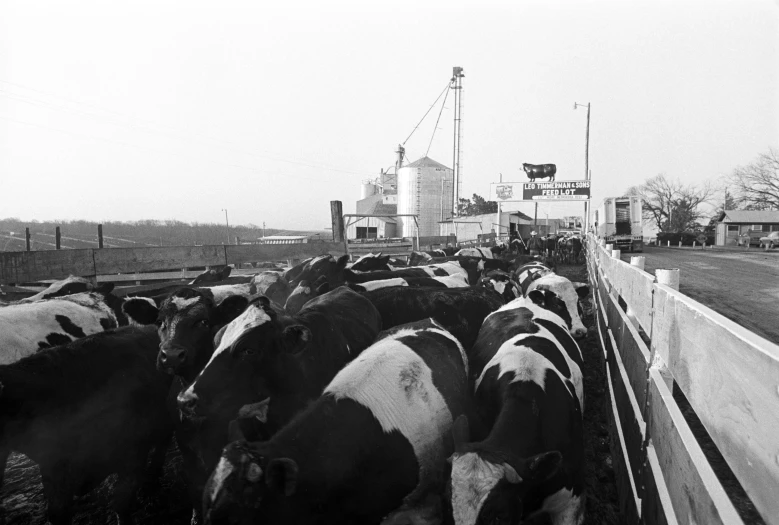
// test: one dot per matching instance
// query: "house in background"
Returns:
(733, 223)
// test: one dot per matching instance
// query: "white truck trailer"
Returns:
(618, 221)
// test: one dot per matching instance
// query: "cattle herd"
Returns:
(442, 389)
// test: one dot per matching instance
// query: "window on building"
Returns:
(366, 232)
(733, 228)
(775, 227)
(760, 227)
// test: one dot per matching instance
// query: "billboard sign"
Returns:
(564, 190)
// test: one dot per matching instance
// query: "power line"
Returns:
(425, 115)
(436, 122)
(150, 128)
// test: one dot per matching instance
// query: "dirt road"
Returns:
(741, 285)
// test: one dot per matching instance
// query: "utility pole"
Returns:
(228, 225)
(457, 85)
(587, 175)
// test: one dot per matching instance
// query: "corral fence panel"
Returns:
(656, 338)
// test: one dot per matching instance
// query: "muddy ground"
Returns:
(22, 492)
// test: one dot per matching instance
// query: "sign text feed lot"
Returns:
(573, 190)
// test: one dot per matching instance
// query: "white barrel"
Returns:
(668, 277)
(616, 253)
(638, 261)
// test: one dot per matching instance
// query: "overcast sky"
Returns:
(178, 110)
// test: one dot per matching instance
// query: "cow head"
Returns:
(250, 484)
(187, 321)
(502, 283)
(304, 293)
(212, 275)
(326, 265)
(570, 293)
(371, 262)
(272, 285)
(489, 486)
(418, 258)
(250, 361)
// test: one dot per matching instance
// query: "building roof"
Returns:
(749, 216)
(384, 209)
(425, 162)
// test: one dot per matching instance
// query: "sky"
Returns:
(181, 110)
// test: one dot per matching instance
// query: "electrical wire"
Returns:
(428, 111)
(443, 104)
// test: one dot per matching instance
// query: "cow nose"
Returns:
(579, 333)
(173, 356)
(187, 402)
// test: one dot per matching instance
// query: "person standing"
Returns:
(535, 245)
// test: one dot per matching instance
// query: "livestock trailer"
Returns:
(618, 221)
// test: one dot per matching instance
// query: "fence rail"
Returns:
(654, 338)
(21, 267)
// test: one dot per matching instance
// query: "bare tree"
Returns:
(756, 185)
(671, 205)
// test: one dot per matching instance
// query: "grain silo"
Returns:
(424, 189)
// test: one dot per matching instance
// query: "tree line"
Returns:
(137, 233)
(672, 206)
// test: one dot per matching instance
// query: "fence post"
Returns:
(638, 261)
(616, 254)
(27, 238)
(99, 235)
(693, 244)
(337, 216)
(669, 244)
(680, 244)
(668, 277)
(57, 237)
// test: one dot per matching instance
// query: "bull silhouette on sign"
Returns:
(539, 171)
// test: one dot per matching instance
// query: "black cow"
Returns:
(459, 310)
(267, 353)
(85, 410)
(372, 446)
(188, 320)
(316, 267)
(371, 262)
(529, 394)
(539, 171)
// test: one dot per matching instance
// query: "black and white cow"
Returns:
(502, 283)
(536, 276)
(371, 262)
(435, 270)
(69, 286)
(530, 395)
(460, 310)
(26, 328)
(272, 285)
(305, 292)
(484, 253)
(85, 410)
(370, 449)
(265, 353)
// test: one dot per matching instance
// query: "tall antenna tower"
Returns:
(457, 85)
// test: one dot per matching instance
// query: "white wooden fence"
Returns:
(729, 375)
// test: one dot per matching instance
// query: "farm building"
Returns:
(282, 239)
(470, 227)
(425, 190)
(733, 223)
(375, 227)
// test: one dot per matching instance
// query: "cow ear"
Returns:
(323, 288)
(461, 432)
(230, 308)
(218, 336)
(105, 288)
(234, 431)
(297, 336)
(342, 260)
(537, 296)
(282, 475)
(140, 310)
(510, 474)
(225, 273)
(541, 467)
(582, 289)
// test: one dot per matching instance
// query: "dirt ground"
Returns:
(742, 285)
(22, 492)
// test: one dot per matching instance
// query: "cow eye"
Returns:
(203, 323)
(248, 351)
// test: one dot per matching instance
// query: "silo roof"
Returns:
(426, 162)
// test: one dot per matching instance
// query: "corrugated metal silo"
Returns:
(424, 189)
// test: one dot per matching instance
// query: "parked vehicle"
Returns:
(770, 240)
(751, 238)
(619, 222)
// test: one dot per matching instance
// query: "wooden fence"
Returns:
(21, 267)
(654, 338)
